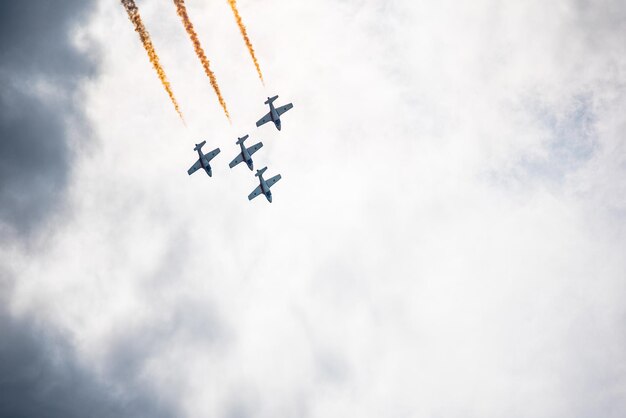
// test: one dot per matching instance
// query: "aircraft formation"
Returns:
(274, 114)
(245, 153)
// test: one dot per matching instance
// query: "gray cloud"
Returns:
(40, 376)
(39, 73)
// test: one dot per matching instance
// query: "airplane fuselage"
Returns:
(264, 189)
(246, 156)
(275, 116)
(206, 167)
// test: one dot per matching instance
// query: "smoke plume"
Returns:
(133, 15)
(242, 29)
(182, 12)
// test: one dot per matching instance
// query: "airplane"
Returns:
(246, 153)
(274, 114)
(264, 186)
(203, 160)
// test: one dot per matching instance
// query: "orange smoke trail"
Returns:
(133, 15)
(242, 29)
(182, 12)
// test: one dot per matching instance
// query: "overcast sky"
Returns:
(448, 238)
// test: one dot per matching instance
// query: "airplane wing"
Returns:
(283, 109)
(194, 167)
(255, 148)
(236, 161)
(264, 119)
(273, 180)
(212, 154)
(255, 193)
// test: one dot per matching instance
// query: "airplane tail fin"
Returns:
(199, 146)
(240, 140)
(271, 99)
(260, 172)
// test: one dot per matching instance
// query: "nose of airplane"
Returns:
(269, 197)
